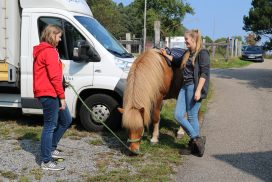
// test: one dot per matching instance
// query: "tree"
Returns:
(109, 15)
(259, 20)
(120, 19)
(170, 13)
(208, 39)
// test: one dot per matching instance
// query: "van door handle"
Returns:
(97, 71)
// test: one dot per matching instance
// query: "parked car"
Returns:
(243, 48)
(253, 53)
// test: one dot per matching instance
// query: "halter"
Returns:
(136, 140)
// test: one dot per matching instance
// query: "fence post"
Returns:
(232, 46)
(157, 27)
(236, 47)
(128, 46)
(204, 42)
(213, 50)
(239, 48)
(140, 48)
(227, 50)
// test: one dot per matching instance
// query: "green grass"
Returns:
(231, 63)
(14, 130)
(267, 56)
(9, 175)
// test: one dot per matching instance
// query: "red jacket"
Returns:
(47, 72)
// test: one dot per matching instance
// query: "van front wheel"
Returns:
(103, 109)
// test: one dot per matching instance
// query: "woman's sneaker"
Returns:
(199, 144)
(52, 166)
(56, 154)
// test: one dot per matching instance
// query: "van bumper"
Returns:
(120, 87)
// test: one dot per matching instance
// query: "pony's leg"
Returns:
(180, 132)
(156, 121)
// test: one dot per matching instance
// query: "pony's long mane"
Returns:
(144, 82)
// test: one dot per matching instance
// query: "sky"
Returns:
(215, 18)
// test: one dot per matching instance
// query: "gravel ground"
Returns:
(21, 159)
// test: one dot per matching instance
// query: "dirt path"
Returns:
(238, 126)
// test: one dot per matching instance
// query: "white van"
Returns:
(96, 64)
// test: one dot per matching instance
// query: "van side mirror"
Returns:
(85, 52)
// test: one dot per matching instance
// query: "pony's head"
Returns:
(135, 128)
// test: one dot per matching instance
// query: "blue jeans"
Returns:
(56, 122)
(186, 103)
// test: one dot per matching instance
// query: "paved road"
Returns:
(238, 126)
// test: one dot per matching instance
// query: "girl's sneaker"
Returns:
(52, 166)
(56, 154)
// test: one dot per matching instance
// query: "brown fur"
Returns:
(145, 83)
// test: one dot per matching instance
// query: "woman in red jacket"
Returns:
(48, 88)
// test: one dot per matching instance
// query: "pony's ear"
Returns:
(121, 110)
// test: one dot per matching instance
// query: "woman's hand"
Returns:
(163, 51)
(197, 95)
(62, 104)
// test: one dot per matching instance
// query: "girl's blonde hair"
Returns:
(49, 34)
(196, 35)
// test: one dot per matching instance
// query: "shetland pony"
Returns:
(150, 81)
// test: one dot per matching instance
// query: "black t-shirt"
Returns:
(188, 72)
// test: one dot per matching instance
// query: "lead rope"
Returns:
(93, 115)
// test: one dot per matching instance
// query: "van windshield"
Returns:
(103, 36)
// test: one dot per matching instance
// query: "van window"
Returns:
(103, 36)
(69, 38)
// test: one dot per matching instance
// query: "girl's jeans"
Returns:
(186, 103)
(56, 122)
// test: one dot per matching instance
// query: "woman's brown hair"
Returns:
(196, 35)
(49, 33)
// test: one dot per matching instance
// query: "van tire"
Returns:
(105, 108)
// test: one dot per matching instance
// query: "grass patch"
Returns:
(24, 179)
(231, 63)
(14, 130)
(266, 56)
(76, 132)
(4, 131)
(97, 142)
(37, 173)
(9, 175)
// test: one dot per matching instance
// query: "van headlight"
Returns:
(123, 64)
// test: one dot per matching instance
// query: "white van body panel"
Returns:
(104, 74)
(79, 6)
(98, 80)
(10, 32)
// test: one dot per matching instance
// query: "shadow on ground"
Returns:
(258, 164)
(257, 78)
(15, 114)
(32, 147)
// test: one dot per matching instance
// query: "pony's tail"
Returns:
(133, 118)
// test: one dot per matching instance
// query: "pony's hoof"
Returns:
(179, 136)
(154, 142)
